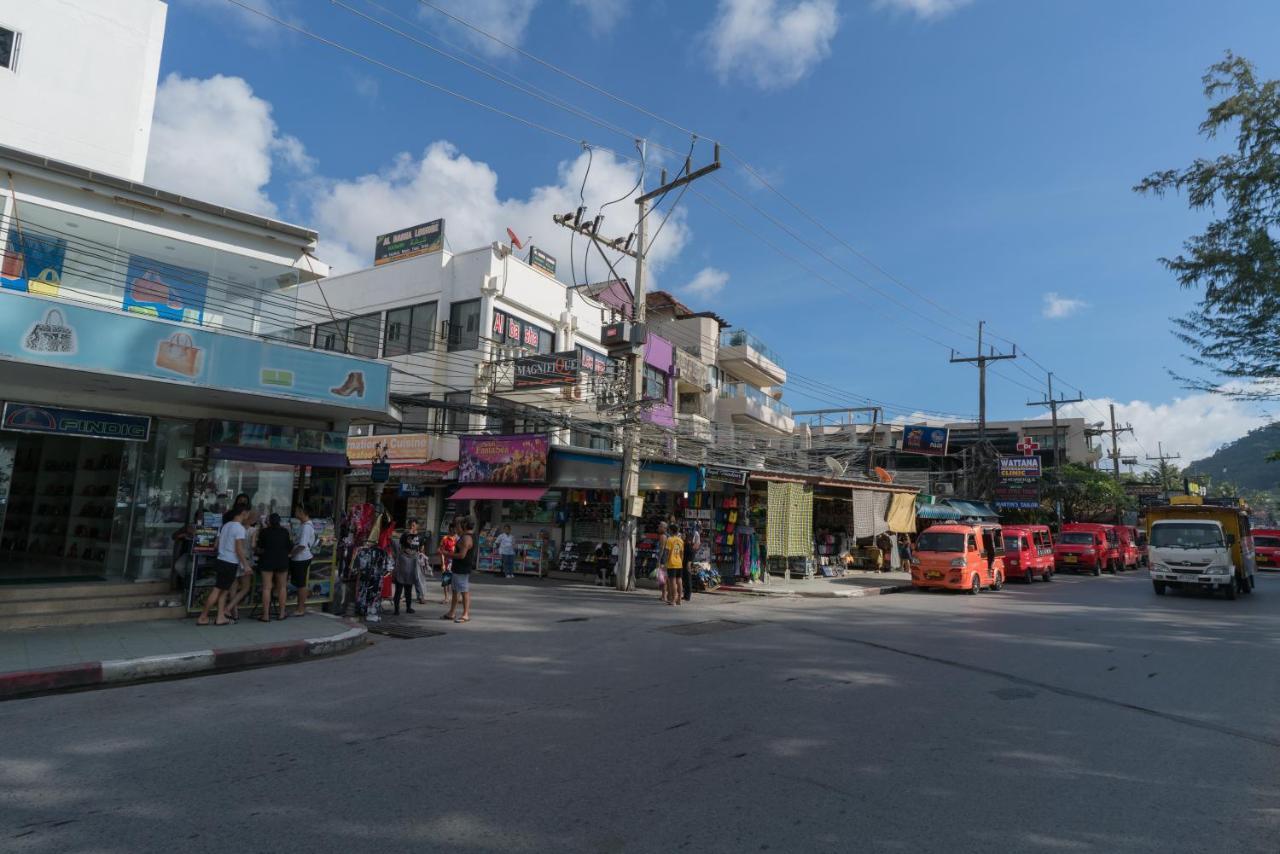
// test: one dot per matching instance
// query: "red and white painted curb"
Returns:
(835, 593)
(97, 674)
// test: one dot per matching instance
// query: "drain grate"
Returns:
(709, 627)
(403, 631)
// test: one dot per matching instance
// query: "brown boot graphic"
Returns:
(353, 385)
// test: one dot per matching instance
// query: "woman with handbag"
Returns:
(273, 562)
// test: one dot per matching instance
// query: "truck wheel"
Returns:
(997, 581)
(1159, 586)
(1048, 574)
(1229, 589)
(976, 587)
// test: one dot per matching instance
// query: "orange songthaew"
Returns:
(959, 557)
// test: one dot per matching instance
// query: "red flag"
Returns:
(515, 241)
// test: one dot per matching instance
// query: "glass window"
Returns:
(8, 49)
(363, 334)
(1186, 535)
(410, 330)
(1267, 542)
(940, 541)
(1076, 538)
(464, 325)
(655, 384)
(457, 418)
(332, 336)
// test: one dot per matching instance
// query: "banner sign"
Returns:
(725, 475)
(540, 259)
(1013, 495)
(503, 459)
(32, 262)
(156, 289)
(926, 440)
(396, 448)
(1019, 468)
(29, 418)
(59, 334)
(1140, 489)
(409, 242)
(556, 369)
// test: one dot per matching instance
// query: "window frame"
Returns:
(15, 49)
(453, 419)
(652, 374)
(414, 328)
(546, 339)
(456, 341)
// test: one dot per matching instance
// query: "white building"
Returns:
(78, 80)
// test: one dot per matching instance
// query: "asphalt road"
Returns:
(1084, 715)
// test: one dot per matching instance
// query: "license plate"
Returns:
(933, 574)
(1070, 558)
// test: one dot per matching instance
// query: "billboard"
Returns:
(1014, 495)
(554, 369)
(1020, 468)
(923, 439)
(541, 260)
(503, 459)
(167, 291)
(408, 242)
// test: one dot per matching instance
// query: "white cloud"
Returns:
(602, 15)
(444, 182)
(1194, 426)
(1057, 307)
(258, 27)
(214, 140)
(924, 9)
(771, 43)
(506, 19)
(707, 283)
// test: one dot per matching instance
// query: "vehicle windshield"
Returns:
(1186, 535)
(940, 541)
(1013, 544)
(1267, 542)
(1076, 538)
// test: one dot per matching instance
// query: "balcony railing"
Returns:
(743, 338)
(756, 396)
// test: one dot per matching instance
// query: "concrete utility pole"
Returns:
(1115, 447)
(1163, 461)
(982, 359)
(631, 509)
(1053, 403)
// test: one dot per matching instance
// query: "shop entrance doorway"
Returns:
(58, 498)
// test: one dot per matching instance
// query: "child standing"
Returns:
(447, 544)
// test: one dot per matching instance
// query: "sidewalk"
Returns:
(40, 660)
(852, 585)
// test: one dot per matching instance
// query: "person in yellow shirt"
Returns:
(674, 563)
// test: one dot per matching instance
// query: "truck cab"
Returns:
(1028, 552)
(959, 557)
(1086, 547)
(1266, 547)
(1130, 553)
(1200, 546)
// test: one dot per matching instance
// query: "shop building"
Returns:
(150, 377)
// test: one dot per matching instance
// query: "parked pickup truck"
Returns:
(1204, 546)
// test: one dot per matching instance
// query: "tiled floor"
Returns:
(34, 649)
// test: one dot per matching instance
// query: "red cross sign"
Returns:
(1026, 447)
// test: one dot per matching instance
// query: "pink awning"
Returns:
(505, 493)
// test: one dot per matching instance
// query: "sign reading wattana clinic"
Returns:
(1020, 468)
(503, 459)
(1019, 484)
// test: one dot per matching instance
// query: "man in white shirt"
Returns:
(507, 552)
(232, 560)
(300, 558)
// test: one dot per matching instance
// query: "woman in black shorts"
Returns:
(233, 556)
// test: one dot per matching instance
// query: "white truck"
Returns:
(1197, 545)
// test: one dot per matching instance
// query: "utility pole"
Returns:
(631, 510)
(1115, 447)
(1053, 403)
(1163, 461)
(981, 359)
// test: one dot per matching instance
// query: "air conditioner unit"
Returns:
(572, 392)
(944, 489)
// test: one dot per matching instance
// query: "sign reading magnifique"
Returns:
(408, 242)
(553, 369)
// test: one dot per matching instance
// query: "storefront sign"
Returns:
(556, 369)
(926, 440)
(397, 448)
(1019, 468)
(29, 418)
(540, 259)
(276, 437)
(726, 475)
(412, 490)
(503, 459)
(1018, 495)
(52, 332)
(409, 242)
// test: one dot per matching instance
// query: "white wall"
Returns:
(85, 83)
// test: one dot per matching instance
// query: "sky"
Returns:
(893, 171)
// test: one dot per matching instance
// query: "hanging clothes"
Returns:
(371, 564)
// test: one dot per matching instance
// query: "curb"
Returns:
(102, 674)
(858, 593)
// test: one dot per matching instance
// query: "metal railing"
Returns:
(743, 338)
(755, 395)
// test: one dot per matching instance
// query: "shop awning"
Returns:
(482, 492)
(973, 509)
(937, 511)
(270, 455)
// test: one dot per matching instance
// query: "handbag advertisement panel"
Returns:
(156, 289)
(53, 332)
(32, 262)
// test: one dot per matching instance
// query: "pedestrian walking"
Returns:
(464, 560)
(507, 552)
(232, 555)
(301, 556)
(244, 579)
(675, 567)
(274, 546)
(692, 543)
(662, 562)
(406, 571)
(447, 544)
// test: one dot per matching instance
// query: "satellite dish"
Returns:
(836, 466)
(884, 476)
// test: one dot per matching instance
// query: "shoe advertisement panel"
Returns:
(57, 333)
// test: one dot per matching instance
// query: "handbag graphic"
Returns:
(11, 264)
(149, 288)
(51, 335)
(178, 353)
(45, 284)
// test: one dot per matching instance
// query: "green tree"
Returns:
(1086, 494)
(1235, 262)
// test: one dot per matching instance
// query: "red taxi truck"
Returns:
(1028, 552)
(1266, 547)
(1086, 547)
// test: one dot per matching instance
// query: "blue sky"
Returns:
(981, 153)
